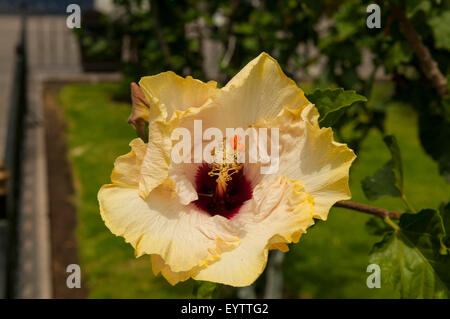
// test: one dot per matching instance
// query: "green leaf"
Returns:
(397, 54)
(414, 6)
(205, 289)
(427, 231)
(441, 30)
(444, 211)
(414, 260)
(427, 221)
(388, 180)
(349, 19)
(404, 268)
(445, 215)
(446, 103)
(377, 227)
(332, 103)
(434, 133)
(392, 144)
(382, 183)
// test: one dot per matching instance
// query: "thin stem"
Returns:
(389, 221)
(407, 204)
(428, 65)
(380, 212)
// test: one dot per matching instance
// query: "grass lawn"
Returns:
(329, 262)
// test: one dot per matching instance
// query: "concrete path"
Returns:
(52, 53)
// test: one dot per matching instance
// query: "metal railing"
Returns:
(34, 7)
(14, 156)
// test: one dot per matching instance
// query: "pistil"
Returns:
(221, 185)
(224, 169)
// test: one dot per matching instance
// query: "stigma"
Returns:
(221, 186)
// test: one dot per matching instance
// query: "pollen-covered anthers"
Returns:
(224, 167)
(223, 172)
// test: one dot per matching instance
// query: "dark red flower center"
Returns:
(227, 203)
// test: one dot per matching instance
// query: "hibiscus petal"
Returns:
(159, 266)
(259, 91)
(309, 153)
(169, 94)
(127, 167)
(182, 235)
(172, 92)
(155, 165)
(183, 178)
(279, 212)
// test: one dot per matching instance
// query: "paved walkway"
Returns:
(52, 49)
(52, 53)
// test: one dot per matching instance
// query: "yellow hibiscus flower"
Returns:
(216, 221)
